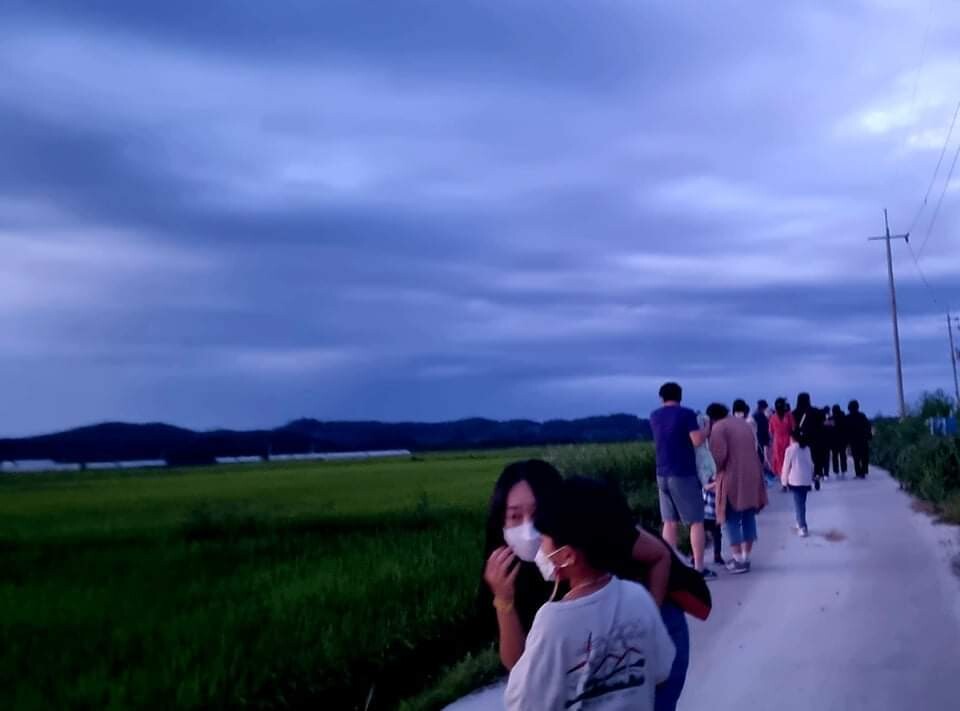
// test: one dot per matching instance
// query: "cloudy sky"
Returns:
(235, 214)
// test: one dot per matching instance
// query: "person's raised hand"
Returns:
(499, 575)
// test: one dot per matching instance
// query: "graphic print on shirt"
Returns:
(609, 664)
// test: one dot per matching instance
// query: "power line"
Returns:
(915, 256)
(936, 211)
(936, 170)
(933, 294)
(923, 277)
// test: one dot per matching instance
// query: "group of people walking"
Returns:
(735, 458)
(829, 433)
(591, 608)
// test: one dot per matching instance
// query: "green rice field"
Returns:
(345, 585)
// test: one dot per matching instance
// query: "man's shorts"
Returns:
(681, 499)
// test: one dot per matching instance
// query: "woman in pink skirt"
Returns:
(781, 425)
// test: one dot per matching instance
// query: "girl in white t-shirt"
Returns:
(603, 644)
(797, 474)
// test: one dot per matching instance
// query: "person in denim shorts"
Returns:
(675, 433)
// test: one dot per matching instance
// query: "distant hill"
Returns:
(118, 441)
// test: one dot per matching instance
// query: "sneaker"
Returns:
(816, 484)
(718, 560)
(804, 533)
(708, 574)
(740, 568)
(783, 489)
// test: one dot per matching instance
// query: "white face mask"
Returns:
(547, 569)
(524, 541)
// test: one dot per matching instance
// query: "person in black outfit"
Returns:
(821, 446)
(859, 434)
(763, 433)
(801, 414)
(809, 422)
(838, 443)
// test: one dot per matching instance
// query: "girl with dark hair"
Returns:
(781, 425)
(803, 407)
(602, 642)
(514, 589)
(798, 475)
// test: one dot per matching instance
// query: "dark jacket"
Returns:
(837, 429)
(763, 428)
(810, 423)
(859, 429)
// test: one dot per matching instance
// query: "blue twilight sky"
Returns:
(238, 213)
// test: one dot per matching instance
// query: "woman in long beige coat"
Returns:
(741, 492)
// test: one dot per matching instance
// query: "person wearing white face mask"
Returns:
(514, 590)
(602, 643)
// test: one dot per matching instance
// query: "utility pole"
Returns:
(953, 358)
(893, 308)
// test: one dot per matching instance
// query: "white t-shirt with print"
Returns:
(607, 650)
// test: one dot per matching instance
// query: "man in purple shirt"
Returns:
(676, 432)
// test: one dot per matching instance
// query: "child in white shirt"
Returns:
(603, 645)
(797, 474)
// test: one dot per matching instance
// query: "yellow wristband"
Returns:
(503, 605)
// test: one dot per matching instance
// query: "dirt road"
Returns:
(863, 615)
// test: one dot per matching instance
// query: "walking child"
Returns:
(710, 525)
(797, 474)
(707, 471)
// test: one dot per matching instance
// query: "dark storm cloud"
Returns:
(232, 215)
(562, 42)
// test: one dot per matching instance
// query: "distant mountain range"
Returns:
(117, 441)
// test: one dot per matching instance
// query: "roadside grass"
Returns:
(950, 510)
(472, 672)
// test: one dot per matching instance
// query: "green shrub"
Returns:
(926, 465)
